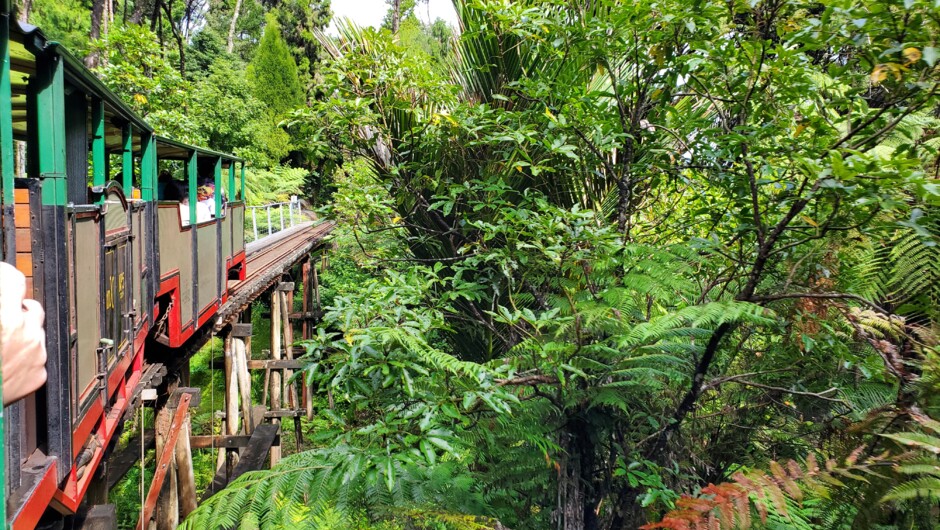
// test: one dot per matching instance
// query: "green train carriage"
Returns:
(115, 267)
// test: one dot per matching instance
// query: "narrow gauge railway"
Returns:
(125, 280)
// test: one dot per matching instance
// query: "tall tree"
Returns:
(299, 20)
(230, 45)
(273, 72)
(98, 30)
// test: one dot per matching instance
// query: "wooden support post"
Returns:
(267, 379)
(167, 504)
(305, 300)
(219, 465)
(244, 382)
(97, 517)
(287, 306)
(231, 398)
(307, 328)
(287, 303)
(275, 375)
(246, 319)
(165, 463)
(98, 488)
(231, 388)
(185, 374)
(186, 477)
(316, 286)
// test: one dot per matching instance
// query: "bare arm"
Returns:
(22, 339)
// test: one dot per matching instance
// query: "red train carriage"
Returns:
(107, 250)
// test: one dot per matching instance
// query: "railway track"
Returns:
(267, 260)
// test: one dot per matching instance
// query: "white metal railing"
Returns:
(268, 219)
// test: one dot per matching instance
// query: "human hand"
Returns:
(22, 338)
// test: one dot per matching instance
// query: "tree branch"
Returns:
(824, 296)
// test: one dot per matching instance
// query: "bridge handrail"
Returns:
(273, 218)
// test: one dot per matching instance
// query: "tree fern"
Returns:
(337, 486)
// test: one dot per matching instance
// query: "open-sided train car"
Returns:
(112, 263)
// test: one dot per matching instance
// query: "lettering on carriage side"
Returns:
(109, 279)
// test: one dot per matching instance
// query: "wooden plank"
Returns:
(24, 263)
(257, 415)
(163, 463)
(215, 442)
(241, 330)
(272, 414)
(195, 397)
(24, 241)
(307, 316)
(276, 364)
(259, 445)
(21, 217)
(257, 451)
(266, 264)
(21, 196)
(285, 286)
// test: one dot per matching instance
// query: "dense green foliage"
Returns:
(614, 253)
(603, 264)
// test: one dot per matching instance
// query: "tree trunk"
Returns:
(396, 16)
(577, 499)
(155, 19)
(180, 41)
(99, 29)
(230, 46)
(24, 7)
(141, 9)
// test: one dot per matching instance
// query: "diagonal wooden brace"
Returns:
(163, 464)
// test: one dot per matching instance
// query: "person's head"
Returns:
(204, 192)
(180, 193)
(206, 188)
(165, 176)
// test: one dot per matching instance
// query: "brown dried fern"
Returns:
(728, 505)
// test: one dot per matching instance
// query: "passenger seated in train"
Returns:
(207, 185)
(166, 185)
(202, 210)
(206, 194)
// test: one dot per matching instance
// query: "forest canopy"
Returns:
(599, 265)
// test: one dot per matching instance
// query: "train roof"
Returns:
(27, 40)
